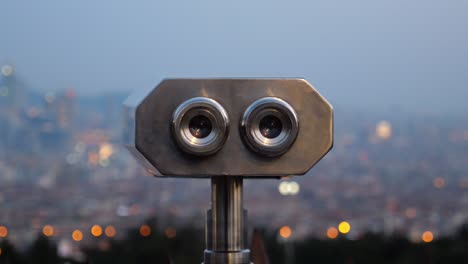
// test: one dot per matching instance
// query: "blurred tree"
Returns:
(43, 251)
(187, 244)
(9, 255)
(258, 249)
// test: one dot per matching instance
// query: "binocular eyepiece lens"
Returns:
(200, 126)
(269, 126)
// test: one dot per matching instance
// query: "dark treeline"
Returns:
(188, 246)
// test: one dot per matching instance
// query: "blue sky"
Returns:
(372, 53)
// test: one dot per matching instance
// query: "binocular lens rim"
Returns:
(250, 128)
(200, 106)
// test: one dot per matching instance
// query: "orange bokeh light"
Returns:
(384, 130)
(96, 230)
(427, 236)
(145, 230)
(171, 232)
(93, 158)
(439, 182)
(48, 230)
(285, 232)
(77, 235)
(332, 232)
(110, 231)
(3, 231)
(105, 151)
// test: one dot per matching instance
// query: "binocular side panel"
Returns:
(241, 127)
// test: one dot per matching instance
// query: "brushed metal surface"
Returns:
(226, 223)
(153, 139)
(240, 257)
(227, 214)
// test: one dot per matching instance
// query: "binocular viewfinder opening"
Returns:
(200, 126)
(269, 126)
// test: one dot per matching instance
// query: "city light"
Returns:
(7, 70)
(344, 227)
(427, 236)
(105, 151)
(289, 188)
(410, 213)
(383, 130)
(3, 231)
(96, 230)
(135, 209)
(283, 188)
(145, 230)
(93, 158)
(77, 235)
(285, 232)
(122, 211)
(49, 97)
(110, 231)
(439, 182)
(332, 232)
(48, 230)
(171, 232)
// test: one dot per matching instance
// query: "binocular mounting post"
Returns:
(226, 227)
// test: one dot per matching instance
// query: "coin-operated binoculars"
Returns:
(228, 130)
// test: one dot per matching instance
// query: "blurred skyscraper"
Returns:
(9, 87)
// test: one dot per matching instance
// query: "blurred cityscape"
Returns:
(65, 174)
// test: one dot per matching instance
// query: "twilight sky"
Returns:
(408, 54)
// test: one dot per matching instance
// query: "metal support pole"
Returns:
(226, 223)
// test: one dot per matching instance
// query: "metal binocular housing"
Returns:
(230, 127)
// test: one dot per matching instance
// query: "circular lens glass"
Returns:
(270, 126)
(200, 126)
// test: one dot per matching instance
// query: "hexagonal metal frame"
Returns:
(153, 146)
